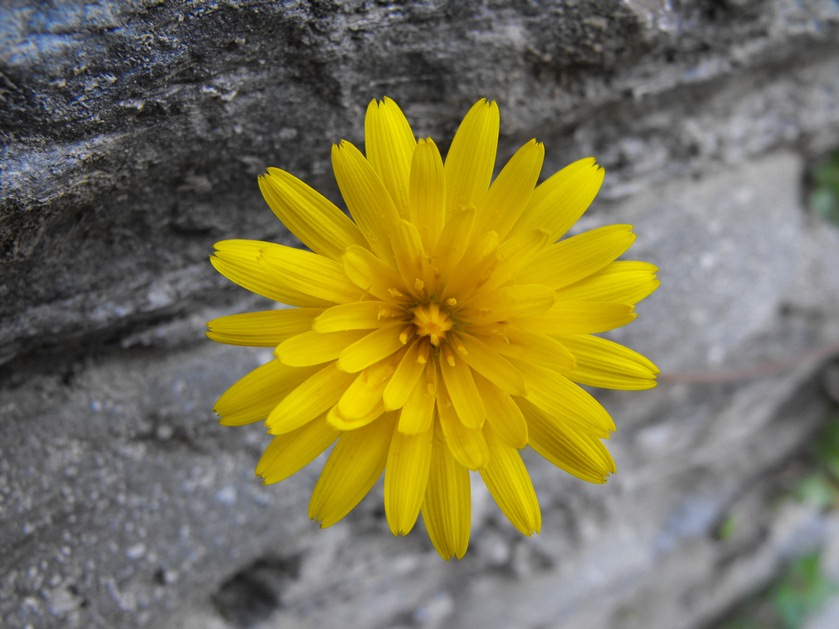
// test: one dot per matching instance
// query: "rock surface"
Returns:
(132, 133)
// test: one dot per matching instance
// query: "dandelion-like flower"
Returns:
(440, 329)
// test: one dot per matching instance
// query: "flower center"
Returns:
(432, 322)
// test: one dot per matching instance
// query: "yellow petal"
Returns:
(359, 315)
(318, 393)
(575, 451)
(579, 317)
(467, 445)
(369, 273)
(308, 214)
(310, 273)
(371, 348)
(530, 347)
(406, 477)
(404, 379)
(389, 143)
(254, 396)
(417, 413)
(558, 202)
(463, 393)
(487, 362)
(625, 281)
(345, 422)
(362, 401)
(471, 158)
(603, 363)
(474, 269)
(240, 261)
(514, 254)
(289, 453)
(452, 243)
(366, 197)
(261, 329)
(509, 483)
(315, 348)
(411, 259)
(503, 414)
(560, 398)
(427, 193)
(503, 304)
(353, 468)
(447, 507)
(511, 190)
(579, 256)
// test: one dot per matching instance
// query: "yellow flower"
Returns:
(439, 330)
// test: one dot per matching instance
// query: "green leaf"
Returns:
(824, 198)
(726, 529)
(827, 448)
(816, 490)
(802, 590)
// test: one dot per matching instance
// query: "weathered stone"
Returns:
(132, 133)
(134, 130)
(729, 246)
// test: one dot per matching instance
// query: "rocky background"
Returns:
(132, 133)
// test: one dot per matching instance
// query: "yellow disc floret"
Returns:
(432, 322)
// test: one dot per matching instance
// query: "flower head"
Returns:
(440, 329)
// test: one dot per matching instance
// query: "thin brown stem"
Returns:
(751, 373)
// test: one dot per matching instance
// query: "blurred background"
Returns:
(132, 134)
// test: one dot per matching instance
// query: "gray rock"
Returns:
(729, 248)
(132, 133)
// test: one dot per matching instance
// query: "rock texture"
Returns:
(132, 133)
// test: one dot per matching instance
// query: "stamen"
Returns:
(389, 313)
(451, 302)
(424, 353)
(406, 334)
(447, 354)
(461, 349)
(500, 333)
